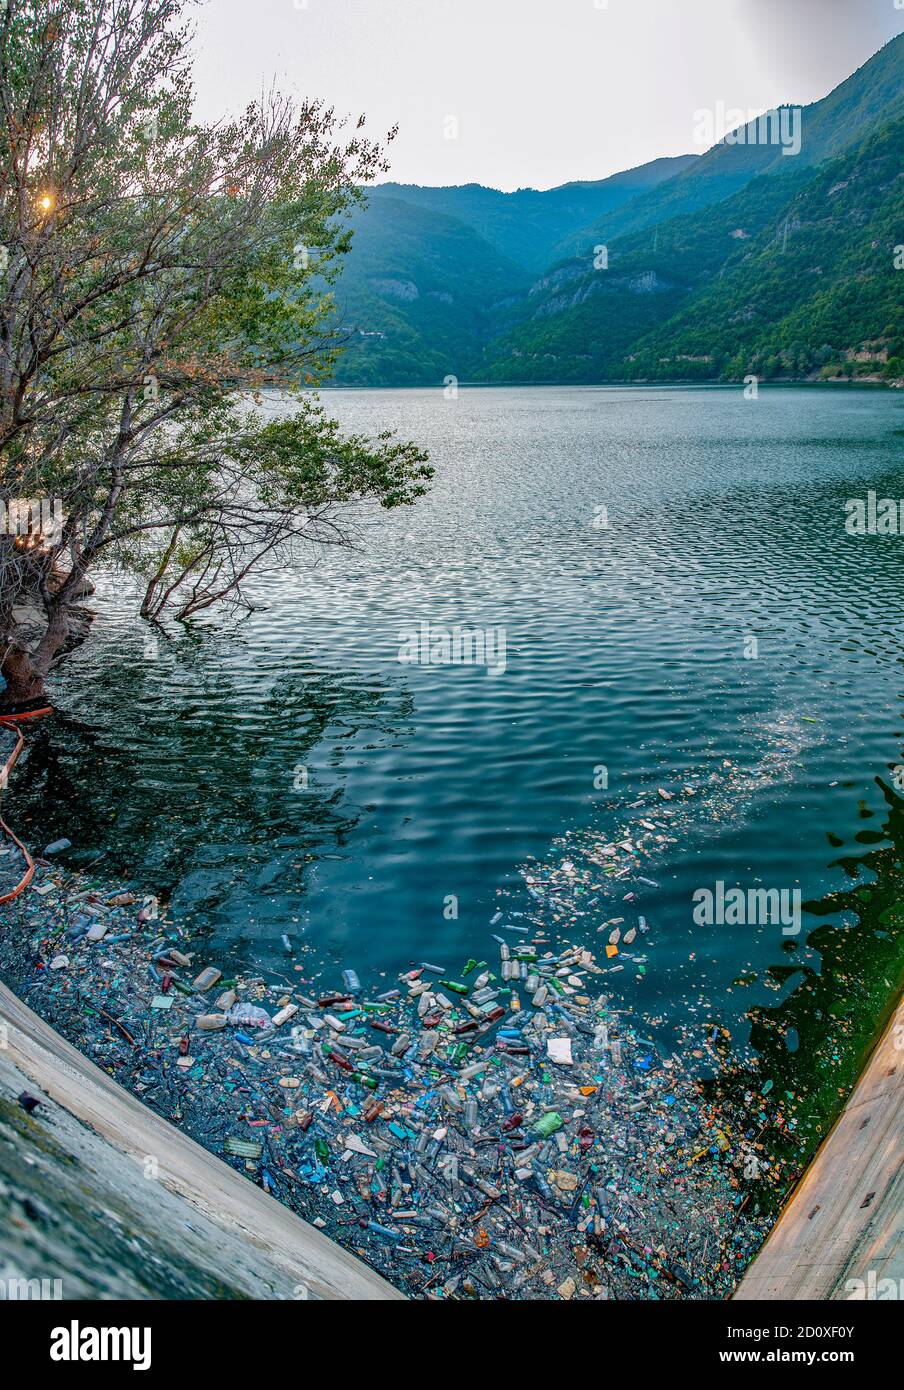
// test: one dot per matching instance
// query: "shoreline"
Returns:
(867, 383)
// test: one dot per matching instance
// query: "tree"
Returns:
(158, 278)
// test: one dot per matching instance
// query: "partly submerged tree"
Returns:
(156, 277)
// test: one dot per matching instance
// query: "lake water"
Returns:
(720, 633)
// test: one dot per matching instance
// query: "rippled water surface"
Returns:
(628, 647)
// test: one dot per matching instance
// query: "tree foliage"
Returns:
(159, 277)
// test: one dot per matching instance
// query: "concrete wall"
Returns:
(845, 1219)
(99, 1192)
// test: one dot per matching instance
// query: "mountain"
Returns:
(526, 226)
(434, 272)
(869, 98)
(793, 275)
(578, 323)
(815, 292)
(744, 261)
(418, 293)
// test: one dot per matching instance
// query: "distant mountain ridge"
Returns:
(870, 97)
(528, 225)
(794, 275)
(487, 286)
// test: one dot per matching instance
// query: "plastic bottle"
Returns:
(248, 1016)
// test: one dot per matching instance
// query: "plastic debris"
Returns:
(58, 846)
(486, 1129)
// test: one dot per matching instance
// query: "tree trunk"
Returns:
(55, 634)
(24, 671)
(23, 682)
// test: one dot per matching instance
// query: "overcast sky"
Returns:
(539, 91)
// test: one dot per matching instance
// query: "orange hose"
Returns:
(4, 775)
